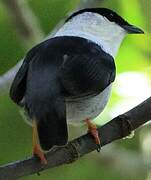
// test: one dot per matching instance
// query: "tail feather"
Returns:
(44, 101)
(52, 126)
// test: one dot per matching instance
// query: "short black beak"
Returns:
(133, 29)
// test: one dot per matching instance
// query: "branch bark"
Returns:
(117, 128)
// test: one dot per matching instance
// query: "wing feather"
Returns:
(18, 87)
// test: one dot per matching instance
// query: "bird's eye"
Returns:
(111, 15)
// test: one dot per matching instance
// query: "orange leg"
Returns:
(92, 129)
(37, 151)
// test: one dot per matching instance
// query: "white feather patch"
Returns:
(96, 28)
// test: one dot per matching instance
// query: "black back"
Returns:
(55, 69)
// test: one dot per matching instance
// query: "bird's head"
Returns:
(101, 25)
(105, 17)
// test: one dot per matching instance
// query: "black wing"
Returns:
(43, 99)
(18, 87)
(86, 68)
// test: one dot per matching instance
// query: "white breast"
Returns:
(83, 108)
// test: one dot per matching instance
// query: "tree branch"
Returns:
(117, 128)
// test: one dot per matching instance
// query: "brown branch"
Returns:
(117, 128)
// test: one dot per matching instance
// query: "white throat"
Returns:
(96, 28)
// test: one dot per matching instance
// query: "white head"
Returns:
(100, 25)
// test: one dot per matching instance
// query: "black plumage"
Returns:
(54, 70)
(111, 16)
(108, 13)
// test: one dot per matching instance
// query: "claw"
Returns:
(92, 129)
(37, 151)
(98, 147)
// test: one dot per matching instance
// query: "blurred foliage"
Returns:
(134, 56)
(11, 48)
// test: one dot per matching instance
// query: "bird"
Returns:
(68, 77)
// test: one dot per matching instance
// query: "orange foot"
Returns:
(39, 153)
(92, 129)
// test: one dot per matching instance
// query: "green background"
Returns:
(133, 85)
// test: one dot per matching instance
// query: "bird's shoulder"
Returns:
(81, 66)
(84, 68)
